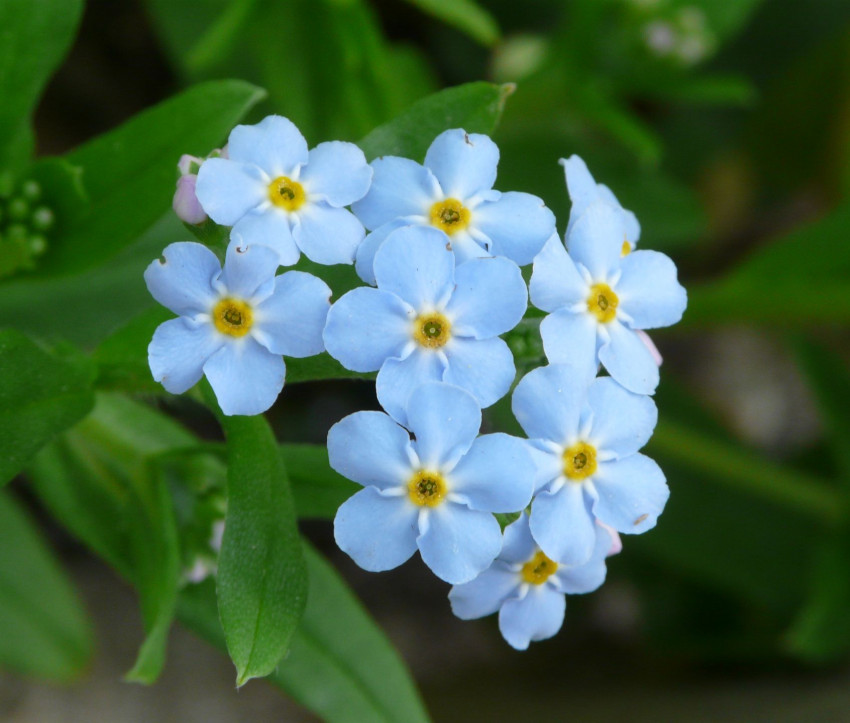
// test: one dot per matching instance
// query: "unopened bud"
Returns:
(185, 203)
(42, 218)
(18, 209)
(31, 190)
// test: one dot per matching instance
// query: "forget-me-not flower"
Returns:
(452, 192)
(429, 321)
(587, 438)
(527, 588)
(234, 323)
(276, 193)
(434, 493)
(599, 299)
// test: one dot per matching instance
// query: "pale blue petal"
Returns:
(371, 449)
(622, 421)
(582, 579)
(632, 493)
(464, 163)
(328, 235)
(414, 264)
(596, 240)
(398, 378)
(466, 248)
(274, 144)
(336, 172)
(245, 376)
(485, 594)
(364, 260)
(548, 465)
(562, 525)
(630, 221)
(445, 421)
(247, 268)
(365, 327)
(376, 531)
(518, 225)
(547, 402)
(181, 280)
(570, 338)
(518, 545)
(581, 186)
(227, 190)
(555, 280)
(178, 350)
(489, 298)
(649, 291)
(400, 187)
(629, 360)
(268, 228)
(457, 543)
(292, 319)
(537, 616)
(483, 367)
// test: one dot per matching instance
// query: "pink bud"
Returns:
(616, 542)
(185, 203)
(184, 165)
(648, 343)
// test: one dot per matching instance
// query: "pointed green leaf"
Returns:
(467, 16)
(318, 490)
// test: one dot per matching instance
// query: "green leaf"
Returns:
(45, 629)
(130, 171)
(467, 16)
(220, 36)
(318, 490)
(475, 107)
(708, 90)
(340, 665)
(40, 395)
(34, 37)
(262, 578)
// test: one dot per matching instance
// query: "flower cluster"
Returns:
(442, 266)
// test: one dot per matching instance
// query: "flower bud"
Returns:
(185, 203)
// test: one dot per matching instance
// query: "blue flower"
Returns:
(600, 299)
(435, 493)
(527, 588)
(276, 193)
(587, 437)
(234, 323)
(429, 321)
(452, 192)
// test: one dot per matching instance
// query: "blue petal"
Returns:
(555, 280)
(518, 545)
(548, 464)
(632, 493)
(247, 269)
(596, 240)
(457, 543)
(274, 144)
(365, 258)
(484, 367)
(400, 187)
(371, 449)
(518, 225)
(649, 291)
(328, 235)
(415, 265)
(581, 186)
(537, 616)
(464, 163)
(245, 376)
(336, 172)
(629, 360)
(268, 228)
(178, 350)
(496, 475)
(547, 402)
(630, 221)
(378, 532)
(445, 421)
(562, 525)
(467, 248)
(622, 421)
(485, 594)
(588, 577)
(227, 190)
(570, 338)
(398, 378)
(182, 279)
(489, 298)
(291, 320)
(365, 327)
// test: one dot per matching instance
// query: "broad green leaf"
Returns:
(41, 394)
(340, 665)
(466, 15)
(129, 173)
(220, 36)
(262, 579)
(34, 36)
(318, 490)
(475, 107)
(45, 631)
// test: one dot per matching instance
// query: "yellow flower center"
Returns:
(538, 569)
(450, 216)
(233, 317)
(286, 193)
(602, 302)
(579, 461)
(432, 330)
(626, 249)
(426, 489)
